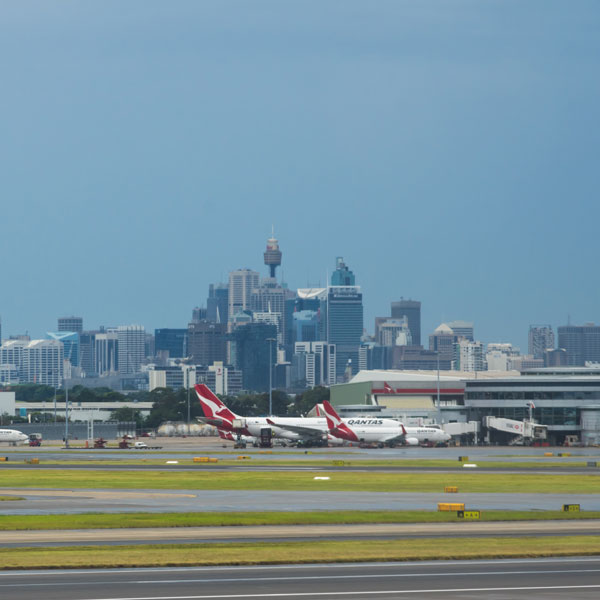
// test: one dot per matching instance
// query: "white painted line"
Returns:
(368, 592)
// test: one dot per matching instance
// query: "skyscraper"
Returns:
(342, 274)
(106, 352)
(217, 303)
(206, 342)
(411, 309)
(345, 324)
(132, 348)
(70, 324)
(173, 341)
(582, 343)
(541, 338)
(254, 351)
(463, 329)
(70, 341)
(241, 284)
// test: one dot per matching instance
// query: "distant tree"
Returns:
(305, 402)
(171, 405)
(127, 414)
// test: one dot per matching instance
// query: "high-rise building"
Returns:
(173, 341)
(463, 329)
(306, 326)
(106, 352)
(241, 284)
(254, 352)
(394, 332)
(70, 324)
(87, 349)
(35, 361)
(70, 341)
(342, 274)
(217, 303)
(314, 362)
(442, 341)
(206, 342)
(541, 338)
(411, 309)
(345, 324)
(469, 356)
(269, 298)
(199, 313)
(582, 343)
(132, 348)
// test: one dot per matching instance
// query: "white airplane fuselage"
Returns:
(13, 436)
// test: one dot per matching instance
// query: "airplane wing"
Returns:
(299, 429)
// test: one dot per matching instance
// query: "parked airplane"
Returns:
(13, 436)
(364, 429)
(310, 430)
(381, 431)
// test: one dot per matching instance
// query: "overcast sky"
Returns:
(448, 150)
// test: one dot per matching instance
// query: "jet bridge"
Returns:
(522, 432)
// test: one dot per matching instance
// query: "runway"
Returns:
(74, 501)
(247, 533)
(577, 578)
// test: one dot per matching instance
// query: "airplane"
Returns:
(305, 431)
(12, 436)
(381, 431)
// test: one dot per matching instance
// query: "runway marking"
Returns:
(311, 566)
(368, 592)
(297, 578)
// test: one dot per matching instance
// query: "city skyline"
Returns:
(446, 151)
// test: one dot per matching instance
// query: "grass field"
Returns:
(301, 481)
(137, 520)
(293, 552)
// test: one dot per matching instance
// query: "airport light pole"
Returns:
(66, 413)
(187, 378)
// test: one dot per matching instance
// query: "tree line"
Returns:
(171, 404)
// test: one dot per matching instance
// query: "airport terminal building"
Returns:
(564, 400)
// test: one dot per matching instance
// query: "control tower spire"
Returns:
(272, 253)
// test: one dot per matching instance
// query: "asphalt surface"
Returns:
(577, 578)
(373, 531)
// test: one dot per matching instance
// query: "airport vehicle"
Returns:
(308, 431)
(13, 436)
(35, 439)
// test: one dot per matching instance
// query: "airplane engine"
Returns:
(411, 441)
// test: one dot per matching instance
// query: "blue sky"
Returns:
(447, 149)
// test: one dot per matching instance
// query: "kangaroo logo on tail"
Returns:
(212, 407)
(336, 426)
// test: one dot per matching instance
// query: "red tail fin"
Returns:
(212, 407)
(333, 419)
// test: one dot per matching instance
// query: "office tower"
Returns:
(206, 342)
(171, 341)
(314, 363)
(199, 313)
(582, 343)
(411, 309)
(254, 352)
(106, 352)
(342, 274)
(442, 341)
(541, 338)
(394, 332)
(272, 255)
(500, 356)
(132, 348)
(306, 299)
(35, 361)
(306, 326)
(462, 329)
(217, 303)
(345, 324)
(87, 356)
(70, 341)
(555, 357)
(241, 284)
(469, 356)
(70, 324)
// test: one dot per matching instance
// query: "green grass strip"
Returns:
(208, 519)
(294, 552)
(364, 481)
